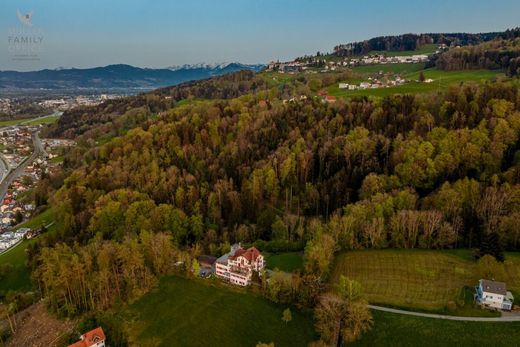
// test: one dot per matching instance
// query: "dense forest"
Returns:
(410, 42)
(424, 171)
(404, 171)
(493, 55)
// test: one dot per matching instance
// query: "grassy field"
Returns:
(290, 262)
(10, 122)
(30, 121)
(19, 278)
(417, 279)
(442, 79)
(43, 120)
(182, 312)
(389, 68)
(398, 330)
(425, 49)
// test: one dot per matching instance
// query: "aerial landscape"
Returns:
(259, 173)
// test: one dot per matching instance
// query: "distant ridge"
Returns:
(410, 42)
(119, 76)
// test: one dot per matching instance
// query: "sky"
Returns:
(163, 33)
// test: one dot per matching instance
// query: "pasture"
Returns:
(183, 312)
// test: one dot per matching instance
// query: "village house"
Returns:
(93, 338)
(493, 294)
(238, 265)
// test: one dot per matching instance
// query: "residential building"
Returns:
(493, 294)
(238, 265)
(93, 338)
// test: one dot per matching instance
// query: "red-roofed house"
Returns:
(93, 338)
(329, 98)
(238, 265)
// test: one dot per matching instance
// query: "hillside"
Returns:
(413, 42)
(384, 185)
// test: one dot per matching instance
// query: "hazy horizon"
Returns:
(160, 34)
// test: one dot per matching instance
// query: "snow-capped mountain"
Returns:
(116, 76)
(217, 66)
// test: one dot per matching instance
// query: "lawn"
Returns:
(416, 279)
(20, 277)
(392, 329)
(441, 80)
(290, 262)
(182, 312)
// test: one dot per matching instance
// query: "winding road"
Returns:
(508, 318)
(18, 171)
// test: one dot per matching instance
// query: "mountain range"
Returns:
(118, 76)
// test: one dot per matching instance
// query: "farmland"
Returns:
(179, 310)
(421, 280)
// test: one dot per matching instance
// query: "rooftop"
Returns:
(250, 254)
(90, 338)
(493, 287)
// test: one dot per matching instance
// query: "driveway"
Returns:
(506, 318)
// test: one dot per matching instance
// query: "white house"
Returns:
(493, 294)
(238, 265)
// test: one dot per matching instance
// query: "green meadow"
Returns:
(441, 81)
(183, 312)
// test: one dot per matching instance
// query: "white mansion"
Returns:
(238, 265)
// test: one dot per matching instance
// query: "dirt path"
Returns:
(37, 328)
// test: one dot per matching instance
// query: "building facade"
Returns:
(238, 265)
(493, 294)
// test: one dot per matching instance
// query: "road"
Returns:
(508, 318)
(18, 171)
(4, 167)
